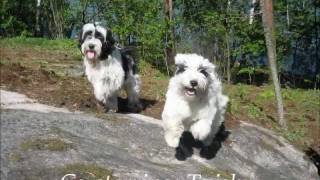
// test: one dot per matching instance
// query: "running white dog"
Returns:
(194, 101)
(109, 68)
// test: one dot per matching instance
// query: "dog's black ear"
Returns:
(180, 68)
(105, 51)
(109, 38)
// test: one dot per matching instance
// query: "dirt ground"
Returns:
(27, 75)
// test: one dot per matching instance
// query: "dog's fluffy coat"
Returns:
(108, 68)
(194, 101)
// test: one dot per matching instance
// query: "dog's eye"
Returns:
(88, 33)
(98, 35)
(204, 72)
(180, 70)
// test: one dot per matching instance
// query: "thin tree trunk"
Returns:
(57, 18)
(251, 15)
(317, 73)
(84, 11)
(228, 48)
(288, 17)
(267, 20)
(228, 59)
(37, 26)
(170, 30)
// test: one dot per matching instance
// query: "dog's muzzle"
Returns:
(190, 91)
(90, 54)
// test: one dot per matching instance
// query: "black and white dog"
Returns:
(109, 68)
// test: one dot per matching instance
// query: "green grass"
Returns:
(254, 112)
(214, 172)
(53, 144)
(39, 44)
(258, 105)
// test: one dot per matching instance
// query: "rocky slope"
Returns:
(43, 142)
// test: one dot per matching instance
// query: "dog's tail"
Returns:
(129, 60)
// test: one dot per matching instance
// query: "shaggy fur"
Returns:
(108, 68)
(194, 101)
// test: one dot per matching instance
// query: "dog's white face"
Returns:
(193, 75)
(94, 41)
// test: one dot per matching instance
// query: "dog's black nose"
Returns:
(193, 83)
(91, 46)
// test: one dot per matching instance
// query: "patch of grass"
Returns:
(266, 145)
(259, 104)
(109, 117)
(233, 106)
(15, 157)
(88, 171)
(254, 112)
(213, 172)
(147, 69)
(53, 144)
(159, 92)
(237, 92)
(41, 43)
(294, 135)
(38, 44)
(266, 93)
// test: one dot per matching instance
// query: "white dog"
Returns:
(108, 68)
(194, 101)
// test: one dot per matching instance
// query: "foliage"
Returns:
(254, 112)
(16, 17)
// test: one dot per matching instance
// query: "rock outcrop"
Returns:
(42, 142)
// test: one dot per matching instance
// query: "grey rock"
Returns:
(133, 147)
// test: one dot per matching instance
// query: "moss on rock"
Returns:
(213, 172)
(52, 144)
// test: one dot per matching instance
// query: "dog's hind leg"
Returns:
(112, 103)
(132, 87)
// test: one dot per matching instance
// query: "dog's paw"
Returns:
(172, 141)
(135, 108)
(112, 110)
(101, 107)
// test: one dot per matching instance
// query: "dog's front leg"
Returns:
(202, 128)
(100, 95)
(173, 130)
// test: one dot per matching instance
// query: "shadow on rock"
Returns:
(314, 157)
(187, 143)
(123, 105)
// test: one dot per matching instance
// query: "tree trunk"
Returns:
(288, 17)
(37, 26)
(228, 59)
(251, 15)
(267, 20)
(57, 19)
(170, 50)
(316, 29)
(228, 48)
(84, 4)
